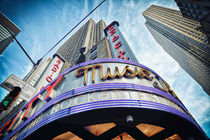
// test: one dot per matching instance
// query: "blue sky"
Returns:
(44, 22)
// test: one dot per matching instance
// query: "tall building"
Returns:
(198, 10)
(182, 40)
(102, 98)
(5, 36)
(86, 37)
(31, 79)
(36, 73)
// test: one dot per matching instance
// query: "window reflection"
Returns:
(174, 137)
(149, 130)
(98, 129)
(123, 136)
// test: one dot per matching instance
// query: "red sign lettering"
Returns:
(115, 38)
(110, 28)
(112, 32)
(117, 45)
(121, 55)
(57, 66)
(59, 61)
(49, 79)
(54, 70)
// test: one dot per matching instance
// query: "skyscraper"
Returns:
(5, 37)
(182, 39)
(35, 75)
(102, 98)
(198, 10)
(86, 37)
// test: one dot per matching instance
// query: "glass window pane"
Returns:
(174, 137)
(123, 136)
(149, 130)
(98, 129)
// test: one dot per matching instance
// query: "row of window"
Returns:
(201, 46)
(182, 28)
(3, 33)
(172, 15)
(193, 8)
(93, 53)
(178, 54)
(165, 10)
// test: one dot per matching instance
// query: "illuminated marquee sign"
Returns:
(93, 82)
(119, 47)
(127, 72)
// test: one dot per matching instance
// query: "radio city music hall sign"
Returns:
(126, 72)
(91, 74)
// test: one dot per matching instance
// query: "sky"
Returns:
(44, 22)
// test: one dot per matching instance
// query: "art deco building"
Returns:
(86, 37)
(198, 10)
(5, 37)
(183, 40)
(101, 98)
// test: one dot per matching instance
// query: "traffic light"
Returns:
(8, 100)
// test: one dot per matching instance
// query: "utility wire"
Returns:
(70, 31)
(19, 45)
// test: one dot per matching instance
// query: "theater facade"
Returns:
(116, 98)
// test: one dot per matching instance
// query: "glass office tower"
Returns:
(86, 37)
(198, 10)
(183, 40)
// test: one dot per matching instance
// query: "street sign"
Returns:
(27, 91)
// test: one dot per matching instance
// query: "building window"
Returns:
(93, 53)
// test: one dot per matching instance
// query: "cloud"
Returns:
(44, 24)
(152, 55)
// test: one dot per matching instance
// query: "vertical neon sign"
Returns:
(119, 47)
